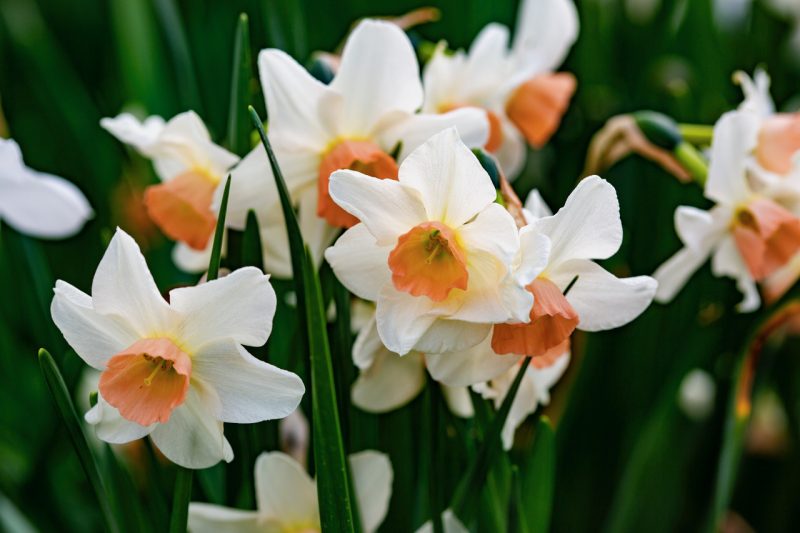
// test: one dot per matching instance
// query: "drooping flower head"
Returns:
(366, 119)
(174, 370)
(192, 169)
(35, 203)
(433, 249)
(588, 227)
(749, 234)
(524, 99)
(287, 497)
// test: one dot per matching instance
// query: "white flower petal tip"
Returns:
(38, 204)
(175, 371)
(286, 497)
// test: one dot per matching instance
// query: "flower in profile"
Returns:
(35, 203)
(191, 168)
(174, 371)
(433, 249)
(524, 99)
(286, 497)
(366, 119)
(570, 290)
(749, 234)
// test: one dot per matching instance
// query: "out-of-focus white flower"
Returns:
(433, 249)
(522, 97)
(696, 394)
(192, 170)
(588, 227)
(450, 524)
(35, 203)
(749, 234)
(287, 501)
(534, 390)
(366, 119)
(174, 371)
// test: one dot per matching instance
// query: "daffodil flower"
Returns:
(433, 249)
(35, 203)
(287, 497)
(174, 371)
(192, 170)
(749, 234)
(524, 99)
(588, 227)
(366, 119)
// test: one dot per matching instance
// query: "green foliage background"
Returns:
(627, 458)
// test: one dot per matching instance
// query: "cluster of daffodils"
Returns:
(752, 233)
(463, 292)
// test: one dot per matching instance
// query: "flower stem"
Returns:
(693, 161)
(180, 501)
(697, 134)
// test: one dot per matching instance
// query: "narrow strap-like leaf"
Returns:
(216, 247)
(470, 486)
(537, 480)
(180, 500)
(238, 123)
(170, 19)
(333, 490)
(66, 409)
(252, 253)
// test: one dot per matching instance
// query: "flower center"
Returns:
(181, 207)
(536, 107)
(552, 322)
(767, 236)
(429, 261)
(363, 156)
(146, 381)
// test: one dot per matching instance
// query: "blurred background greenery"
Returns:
(628, 459)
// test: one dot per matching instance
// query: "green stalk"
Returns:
(216, 247)
(693, 161)
(697, 134)
(180, 500)
(58, 389)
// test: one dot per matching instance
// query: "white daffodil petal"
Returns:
(378, 74)
(359, 264)
(294, 100)
(185, 143)
(546, 29)
(193, 438)
(756, 92)
(534, 251)
(486, 62)
(735, 137)
(458, 401)
(695, 227)
(112, 427)
(492, 231)
(673, 274)
(208, 518)
(512, 151)
(372, 480)
(602, 300)
(190, 260)
(386, 207)
(470, 122)
(446, 335)
(123, 286)
(367, 344)
(536, 205)
(402, 319)
(390, 382)
(588, 226)
(727, 261)
(44, 206)
(128, 129)
(317, 233)
(450, 524)
(275, 250)
(471, 366)
(94, 337)
(249, 389)
(451, 182)
(239, 306)
(285, 491)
